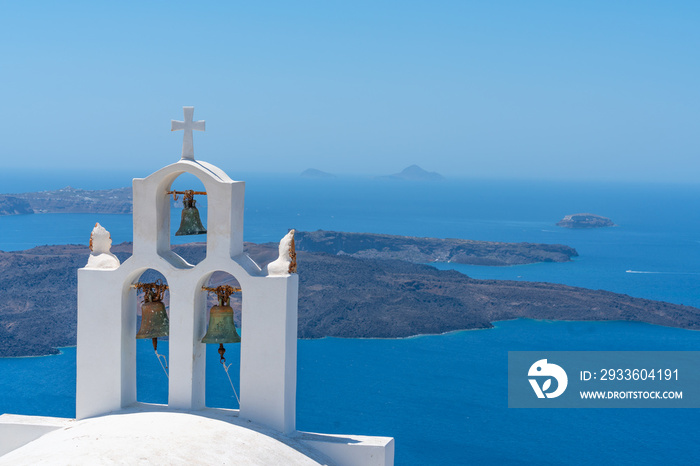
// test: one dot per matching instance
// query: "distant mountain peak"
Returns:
(314, 173)
(416, 173)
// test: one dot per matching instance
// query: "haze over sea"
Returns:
(444, 398)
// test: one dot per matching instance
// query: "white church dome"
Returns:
(166, 438)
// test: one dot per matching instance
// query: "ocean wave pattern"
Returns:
(662, 273)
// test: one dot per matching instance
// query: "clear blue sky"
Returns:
(532, 89)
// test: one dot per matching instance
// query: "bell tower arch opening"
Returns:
(151, 306)
(189, 204)
(223, 298)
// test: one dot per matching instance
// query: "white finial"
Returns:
(101, 256)
(286, 263)
(188, 125)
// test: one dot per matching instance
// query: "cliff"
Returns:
(339, 295)
(10, 205)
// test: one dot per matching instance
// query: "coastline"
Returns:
(496, 326)
(30, 356)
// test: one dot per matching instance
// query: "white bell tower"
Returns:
(106, 347)
(106, 354)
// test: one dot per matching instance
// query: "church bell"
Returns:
(221, 326)
(154, 319)
(190, 223)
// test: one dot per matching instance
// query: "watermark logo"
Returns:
(542, 369)
(603, 379)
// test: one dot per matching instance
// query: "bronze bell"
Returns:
(154, 321)
(221, 326)
(190, 223)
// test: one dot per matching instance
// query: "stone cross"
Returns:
(188, 125)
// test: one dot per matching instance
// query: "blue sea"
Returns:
(443, 397)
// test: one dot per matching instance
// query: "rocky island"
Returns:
(425, 250)
(339, 295)
(585, 221)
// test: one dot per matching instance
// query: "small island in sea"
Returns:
(415, 173)
(314, 173)
(585, 221)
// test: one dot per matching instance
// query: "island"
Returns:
(425, 250)
(68, 200)
(339, 296)
(314, 173)
(585, 221)
(415, 173)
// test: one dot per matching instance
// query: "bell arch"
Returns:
(150, 303)
(152, 211)
(188, 219)
(221, 329)
(130, 303)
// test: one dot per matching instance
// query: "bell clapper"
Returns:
(222, 350)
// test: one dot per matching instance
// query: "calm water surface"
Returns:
(442, 397)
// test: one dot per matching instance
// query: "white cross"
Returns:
(188, 125)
